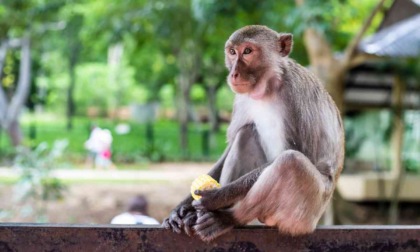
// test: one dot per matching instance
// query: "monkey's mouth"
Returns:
(239, 83)
(240, 87)
(243, 84)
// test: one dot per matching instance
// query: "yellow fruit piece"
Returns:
(203, 182)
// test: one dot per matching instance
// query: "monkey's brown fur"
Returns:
(285, 144)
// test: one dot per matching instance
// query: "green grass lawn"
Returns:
(133, 147)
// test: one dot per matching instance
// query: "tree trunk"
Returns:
(20, 95)
(3, 96)
(334, 84)
(115, 54)
(71, 105)
(73, 49)
(188, 65)
(330, 70)
(3, 53)
(70, 96)
(213, 111)
(397, 168)
(15, 133)
(183, 104)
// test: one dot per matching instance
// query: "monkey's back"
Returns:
(314, 125)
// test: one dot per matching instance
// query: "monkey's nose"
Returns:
(235, 75)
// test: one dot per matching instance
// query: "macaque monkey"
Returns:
(285, 144)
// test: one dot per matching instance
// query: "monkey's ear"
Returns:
(286, 43)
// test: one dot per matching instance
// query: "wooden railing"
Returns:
(47, 237)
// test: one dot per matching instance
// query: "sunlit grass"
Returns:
(132, 148)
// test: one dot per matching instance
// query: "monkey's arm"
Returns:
(213, 219)
(242, 155)
(227, 195)
(244, 163)
(184, 216)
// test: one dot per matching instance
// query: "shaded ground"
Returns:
(165, 185)
(103, 194)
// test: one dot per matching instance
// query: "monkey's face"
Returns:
(245, 66)
(253, 56)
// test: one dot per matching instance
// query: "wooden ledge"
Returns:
(51, 237)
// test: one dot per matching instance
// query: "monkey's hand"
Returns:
(213, 224)
(212, 199)
(182, 218)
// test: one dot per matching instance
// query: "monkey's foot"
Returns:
(182, 219)
(189, 221)
(210, 225)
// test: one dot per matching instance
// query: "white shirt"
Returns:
(132, 218)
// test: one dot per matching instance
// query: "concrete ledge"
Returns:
(377, 186)
(46, 237)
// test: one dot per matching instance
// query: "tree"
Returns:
(323, 62)
(178, 42)
(11, 106)
(20, 22)
(11, 102)
(74, 46)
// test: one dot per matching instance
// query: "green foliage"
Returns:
(94, 88)
(365, 137)
(166, 96)
(198, 94)
(153, 68)
(411, 141)
(158, 37)
(36, 185)
(153, 33)
(339, 20)
(368, 138)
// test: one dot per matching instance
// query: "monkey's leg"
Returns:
(211, 224)
(290, 193)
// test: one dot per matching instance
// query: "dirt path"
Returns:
(163, 184)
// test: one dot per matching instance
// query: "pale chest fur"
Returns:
(268, 120)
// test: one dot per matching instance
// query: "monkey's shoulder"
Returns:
(294, 72)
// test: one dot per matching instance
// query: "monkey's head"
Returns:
(253, 56)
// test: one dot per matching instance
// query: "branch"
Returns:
(352, 46)
(359, 58)
(3, 53)
(3, 98)
(22, 89)
(3, 108)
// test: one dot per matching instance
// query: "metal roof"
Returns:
(399, 10)
(401, 39)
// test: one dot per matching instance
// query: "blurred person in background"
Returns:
(136, 213)
(99, 147)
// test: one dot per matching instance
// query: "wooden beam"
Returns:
(47, 237)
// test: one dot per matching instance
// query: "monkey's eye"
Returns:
(232, 52)
(247, 51)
